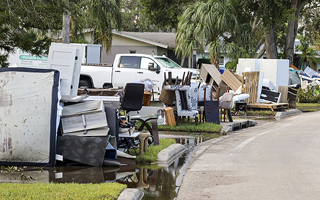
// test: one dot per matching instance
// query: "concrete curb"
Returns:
(232, 126)
(287, 113)
(131, 194)
(170, 153)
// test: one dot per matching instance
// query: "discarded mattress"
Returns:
(28, 116)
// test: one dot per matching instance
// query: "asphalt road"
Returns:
(276, 160)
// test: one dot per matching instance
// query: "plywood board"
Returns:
(170, 120)
(284, 94)
(231, 79)
(211, 76)
(250, 85)
(271, 106)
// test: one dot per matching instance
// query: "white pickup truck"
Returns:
(131, 67)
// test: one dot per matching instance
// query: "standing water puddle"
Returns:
(157, 183)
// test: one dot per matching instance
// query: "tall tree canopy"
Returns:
(212, 24)
(164, 14)
(271, 24)
(24, 24)
(133, 18)
(101, 16)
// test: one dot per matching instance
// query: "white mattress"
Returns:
(28, 115)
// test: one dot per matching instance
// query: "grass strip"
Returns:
(151, 156)
(307, 104)
(261, 113)
(191, 127)
(308, 107)
(61, 191)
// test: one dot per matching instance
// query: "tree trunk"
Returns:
(258, 55)
(215, 62)
(270, 43)
(293, 29)
(66, 27)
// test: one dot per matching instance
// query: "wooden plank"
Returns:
(231, 80)
(239, 77)
(169, 115)
(284, 94)
(250, 84)
(211, 76)
(271, 106)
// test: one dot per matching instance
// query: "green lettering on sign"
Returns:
(28, 57)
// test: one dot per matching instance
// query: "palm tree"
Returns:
(211, 24)
(99, 15)
(309, 56)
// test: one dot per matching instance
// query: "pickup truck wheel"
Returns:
(84, 84)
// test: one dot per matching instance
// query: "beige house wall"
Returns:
(125, 45)
(123, 41)
(88, 37)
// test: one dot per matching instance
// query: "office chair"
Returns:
(132, 98)
(131, 101)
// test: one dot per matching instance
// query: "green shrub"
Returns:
(204, 61)
(309, 95)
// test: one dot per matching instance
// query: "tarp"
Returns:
(294, 78)
(28, 116)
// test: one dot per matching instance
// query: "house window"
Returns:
(221, 61)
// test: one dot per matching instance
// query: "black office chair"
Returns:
(132, 98)
(131, 101)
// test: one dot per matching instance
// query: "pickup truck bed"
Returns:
(103, 70)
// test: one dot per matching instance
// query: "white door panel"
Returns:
(66, 59)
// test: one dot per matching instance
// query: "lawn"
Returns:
(151, 156)
(191, 127)
(308, 107)
(60, 191)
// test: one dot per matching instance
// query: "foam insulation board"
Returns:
(253, 64)
(276, 70)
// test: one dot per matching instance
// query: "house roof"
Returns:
(164, 40)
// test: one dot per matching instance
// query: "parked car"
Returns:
(131, 67)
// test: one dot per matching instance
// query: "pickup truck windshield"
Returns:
(166, 62)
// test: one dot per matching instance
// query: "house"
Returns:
(159, 43)
(156, 43)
